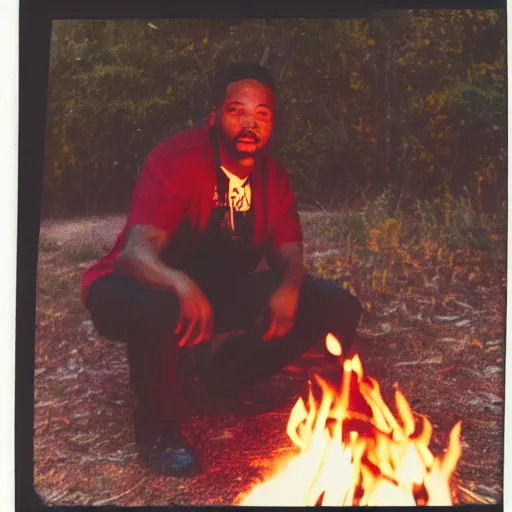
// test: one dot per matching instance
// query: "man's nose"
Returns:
(248, 121)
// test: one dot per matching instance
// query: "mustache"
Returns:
(247, 134)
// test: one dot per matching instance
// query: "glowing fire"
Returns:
(353, 451)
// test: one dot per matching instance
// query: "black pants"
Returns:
(124, 310)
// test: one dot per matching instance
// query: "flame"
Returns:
(333, 345)
(354, 451)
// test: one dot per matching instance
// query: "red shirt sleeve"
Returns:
(287, 227)
(161, 194)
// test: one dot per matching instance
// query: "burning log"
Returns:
(354, 452)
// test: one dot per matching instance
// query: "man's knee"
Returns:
(123, 310)
(336, 309)
(350, 305)
(345, 311)
(328, 294)
(154, 316)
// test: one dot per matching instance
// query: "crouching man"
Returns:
(208, 206)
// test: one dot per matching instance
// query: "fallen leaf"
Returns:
(408, 363)
(62, 418)
(475, 373)
(448, 298)
(446, 318)
(463, 304)
(447, 369)
(449, 340)
(432, 360)
(492, 370)
(386, 329)
(491, 396)
(477, 343)
(51, 402)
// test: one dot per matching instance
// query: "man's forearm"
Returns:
(146, 267)
(292, 264)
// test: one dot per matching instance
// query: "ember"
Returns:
(353, 451)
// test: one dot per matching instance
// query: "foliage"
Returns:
(396, 250)
(413, 101)
(380, 209)
(423, 221)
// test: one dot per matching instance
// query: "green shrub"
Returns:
(350, 223)
(380, 209)
(422, 222)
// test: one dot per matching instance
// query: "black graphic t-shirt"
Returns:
(225, 250)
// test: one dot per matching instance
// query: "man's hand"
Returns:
(282, 308)
(283, 303)
(196, 314)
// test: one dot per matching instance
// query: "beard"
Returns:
(246, 144)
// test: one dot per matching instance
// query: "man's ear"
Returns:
(212, 117)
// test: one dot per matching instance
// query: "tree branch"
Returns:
(264, 57)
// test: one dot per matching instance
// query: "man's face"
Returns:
(246, 118)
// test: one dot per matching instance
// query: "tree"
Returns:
(410, 100)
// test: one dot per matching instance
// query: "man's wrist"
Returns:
(177, 280)
(292, 278)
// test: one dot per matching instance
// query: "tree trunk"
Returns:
(264, 57)
(387, 106)
(280, 52)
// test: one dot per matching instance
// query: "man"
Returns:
(208, 206)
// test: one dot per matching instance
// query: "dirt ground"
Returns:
(443, 344)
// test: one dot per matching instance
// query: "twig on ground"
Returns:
(114, 498)
(325, 211)
(104, 458)
(408, 363)
(48, 419)
(476, 497)
(58, 495)
(463, 304)
(58, 403)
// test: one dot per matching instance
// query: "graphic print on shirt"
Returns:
(236, 202)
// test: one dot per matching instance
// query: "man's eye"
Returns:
(263, 114)
(234, 110)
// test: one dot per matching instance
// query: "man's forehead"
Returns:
(249, 88)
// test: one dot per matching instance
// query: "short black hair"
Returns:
(240, 71)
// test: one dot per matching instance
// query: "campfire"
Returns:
(355, 452)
